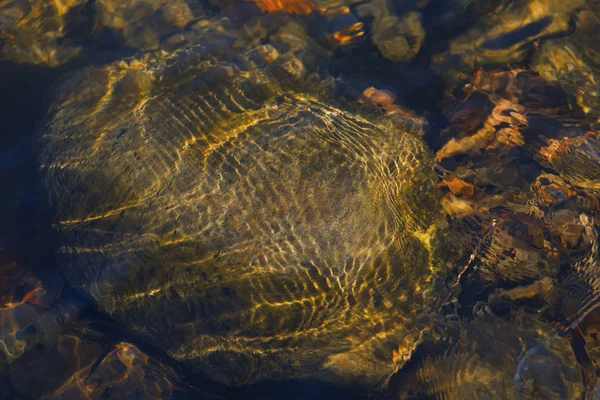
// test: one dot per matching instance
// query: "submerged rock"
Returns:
(574, 62)
(550, 371)
(52, 33)
(33, 31)
(76, 368)
(482, 358)
(250, 230)
(399, 39)
(505, 37)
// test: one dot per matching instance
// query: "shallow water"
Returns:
(299, 199)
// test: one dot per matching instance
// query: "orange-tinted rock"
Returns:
(460, 207)
(543, 288)
(349, 34)
(487, 139)
(302, 7)
(402, 117)
(384, 98)
(460, 187)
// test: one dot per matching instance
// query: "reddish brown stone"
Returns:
(459, 187)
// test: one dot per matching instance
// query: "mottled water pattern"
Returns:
(304, 199)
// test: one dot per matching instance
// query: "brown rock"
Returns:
(459, 187)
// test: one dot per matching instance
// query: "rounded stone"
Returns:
(249, 230)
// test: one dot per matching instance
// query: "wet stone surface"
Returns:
(242, 187)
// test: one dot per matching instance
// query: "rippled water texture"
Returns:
(299, 199)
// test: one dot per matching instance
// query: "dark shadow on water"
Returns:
(511, 38)
(298, 390)
(26, 233)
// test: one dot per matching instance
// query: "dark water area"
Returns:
(294, 199)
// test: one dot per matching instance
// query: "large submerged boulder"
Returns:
(249, 228)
